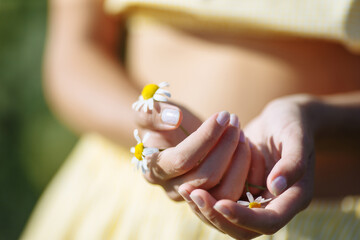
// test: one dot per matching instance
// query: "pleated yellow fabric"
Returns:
(98, 194)
(335, 20)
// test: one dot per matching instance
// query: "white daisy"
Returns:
(253, 203)
(150, 93)
(140, 152)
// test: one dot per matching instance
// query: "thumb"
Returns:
(291, 166)
(164, 116)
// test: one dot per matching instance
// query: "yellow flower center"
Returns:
(149, 91)
(254, 205)
(138, 151)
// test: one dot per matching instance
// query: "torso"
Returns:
(241, 74)
(237, 73)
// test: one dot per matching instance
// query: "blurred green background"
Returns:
(33, 144)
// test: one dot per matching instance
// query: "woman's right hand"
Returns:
(213, 157)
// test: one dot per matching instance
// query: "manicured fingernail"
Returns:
(234, 120)
(184, 194)
(197, 200)
(242, 137)
(223, 118)
(170, 116)
(223, 210)
(278, 185)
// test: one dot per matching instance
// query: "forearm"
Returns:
(336, 113)
(84, 82)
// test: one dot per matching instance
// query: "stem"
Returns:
(254, 186)
(184, 130)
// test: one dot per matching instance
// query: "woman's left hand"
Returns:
(283, 135)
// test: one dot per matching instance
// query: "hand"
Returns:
(163, 123)
(283, 134)
(213, 146)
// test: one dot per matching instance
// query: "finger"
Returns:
(236, 173)
(256, 174)
(292, 164)
(189, 153)
(164, 116)
(184, 191)
(205, 202)
(269, 220)
(209, 173)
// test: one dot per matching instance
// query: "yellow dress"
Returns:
(97, 194)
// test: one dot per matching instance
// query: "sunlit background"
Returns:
(33, 144)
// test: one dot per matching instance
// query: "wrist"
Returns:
(331, 113)
(312, 110)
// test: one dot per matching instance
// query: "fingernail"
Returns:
(223, 118)
(223, 210)
(234, 120)
(197, 200)
(251, 145)
(278, 185)
(242, 137)
(184, 194)
(170, 116)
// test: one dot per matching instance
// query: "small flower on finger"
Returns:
(140, 152)
(253, 203)
(151, 93)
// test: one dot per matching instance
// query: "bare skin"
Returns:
(90, 90)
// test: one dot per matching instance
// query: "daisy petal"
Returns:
(132, 150)
(160, 98)
(151, 104)
(259, 199)
(139, 104)
(133, 106)
(145, 165)
(149, 151)
(244, 203)
(134, 160)
(138, 164)
(250, 197)
(162, 91)
(145, 107)
(266, 200)
(164, 84)
(136, 135)
(146, 137)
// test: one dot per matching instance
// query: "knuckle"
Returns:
(208, 181)
(299, 163)
(179, 159)
(181, 162)
(212, 216)
(208, 137)
(271, 229)
(173, 195)
(226, 194)
(149, 177)
(145, 119)
(306, 201)
(211, 182)
(238, 221)
(230, 138)
(301, 166)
